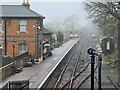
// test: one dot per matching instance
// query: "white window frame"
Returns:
(1, 24)
(21, 25)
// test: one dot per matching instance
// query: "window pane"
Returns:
(22, 48)
(23, 22)
(1, 24)
(0, 27)
(23, 28)
(23, 25)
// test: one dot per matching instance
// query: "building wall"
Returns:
(21, 37)
(49, 38)
(5, 73)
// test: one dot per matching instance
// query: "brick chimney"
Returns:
(26, 4)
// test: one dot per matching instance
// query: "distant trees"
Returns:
(60, 37)
(71, 23)
(106, 14)
(67, 25)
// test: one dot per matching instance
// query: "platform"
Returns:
(38, 73)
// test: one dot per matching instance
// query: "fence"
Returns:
(6, 68)
(26, 54)
(16, 85)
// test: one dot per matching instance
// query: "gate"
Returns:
(16, 85)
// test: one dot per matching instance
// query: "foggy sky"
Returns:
(58, 10)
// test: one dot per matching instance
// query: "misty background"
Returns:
(59, 14)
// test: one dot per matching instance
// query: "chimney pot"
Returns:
(26, 4)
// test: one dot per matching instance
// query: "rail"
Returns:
(77, 87)
(61, 74)
(113, 83)
(75, 76)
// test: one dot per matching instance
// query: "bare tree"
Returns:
(54, 26)
(69, 24)
(105, 14)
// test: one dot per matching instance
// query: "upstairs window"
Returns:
(23, 26)
(1, 25)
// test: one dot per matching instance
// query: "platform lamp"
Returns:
(13, 42)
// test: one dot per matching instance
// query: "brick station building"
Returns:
(23, 26)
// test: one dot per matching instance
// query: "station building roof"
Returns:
(18, 11)
(46, 31)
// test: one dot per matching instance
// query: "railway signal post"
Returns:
(99, 71)
(92, 71)
(94, 53)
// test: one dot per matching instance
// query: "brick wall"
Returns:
(13, 33)
(49, 38)
(20, 61)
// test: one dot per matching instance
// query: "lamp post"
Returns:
(5, 35)
(13, 42)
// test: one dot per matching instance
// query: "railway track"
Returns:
(76, 75)
(74, 78)
(50, 82)
(61, 74)
(113, 83)
(71, 71)
(110, 84)
(84, 79)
